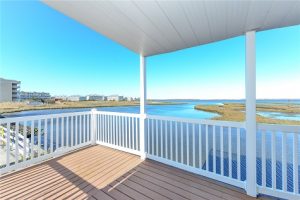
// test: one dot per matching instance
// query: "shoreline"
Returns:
(20, 107)
(235, 112)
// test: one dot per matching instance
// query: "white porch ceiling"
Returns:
(155, 27)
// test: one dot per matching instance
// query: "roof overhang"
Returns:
(156, 27)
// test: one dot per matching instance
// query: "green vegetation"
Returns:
(235, 112)
(9, 107)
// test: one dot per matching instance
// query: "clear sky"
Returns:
(50, 52)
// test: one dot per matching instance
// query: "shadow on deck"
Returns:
(99, 172)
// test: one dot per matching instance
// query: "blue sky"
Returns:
(50, 52)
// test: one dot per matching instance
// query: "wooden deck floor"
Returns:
(102, 173)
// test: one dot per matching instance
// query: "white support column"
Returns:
(250, 78)
(143, 97)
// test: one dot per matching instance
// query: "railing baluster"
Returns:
(126, 132)
(263, 158)
(176, 140)
(17, 142)
(148, 136)
(222, 149)
(238, 153)
(80, 129)
(8, 141)
(137, 133)
(129, 132)
(214, 148)
(39, 138)
(133, 133)
(84, 128)
(152, 136)
(200, 146)
(57, 133)
(32, 139)
(62, 131)
(76, 130)
(161, 140)
(206, 152)
(230, 152)
(187, 144)
(166, 139)
(156, 127)
(295, 163)
(194, 146)
(67, 132)
(171, 139)
(181, 143)
(284, 174)
(45, 135)
(51, 135)
(273, 161)
(72, 131)
(24, 140)
(88, 127)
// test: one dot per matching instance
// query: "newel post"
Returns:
(143, 97)
(93, 126)
(250, 83)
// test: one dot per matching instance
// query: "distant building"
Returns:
(9, 90)
(61, 98)
(95, 98)
(34, 95)
(76, 98)
(115, 98)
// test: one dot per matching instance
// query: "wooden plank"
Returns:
(200, 179)
(47, 179)
(201, 187)
(73, 179)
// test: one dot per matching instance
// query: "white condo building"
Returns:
(9, 90)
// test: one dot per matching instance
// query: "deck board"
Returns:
(99, 172)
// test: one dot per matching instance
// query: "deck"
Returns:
(99, 172)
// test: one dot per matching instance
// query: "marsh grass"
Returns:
(235, 112)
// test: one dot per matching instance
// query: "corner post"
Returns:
(143, 97)
(250, 86)
(93, 126)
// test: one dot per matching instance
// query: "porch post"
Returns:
(143, 97)
(250, 78)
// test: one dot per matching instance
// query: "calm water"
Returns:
(184, 110)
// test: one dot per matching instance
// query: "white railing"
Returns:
(215, 149)
(47, 136)
(278, 160)
(205, 147)
(119, 131)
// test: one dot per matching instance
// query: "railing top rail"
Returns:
(37, 117)
(199, 121)
(279, 128)
(118, 114)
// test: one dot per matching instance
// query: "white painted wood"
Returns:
(194, 147)
(51, 135)
(181, 142)
(250, 88)
(229, 152)
(214, 149)
(187, 145)
(39, 138)
(143, 99)
(7, 145)
(200, 147)
(25, 140)
(63, 131)
(166, 139)
(17, 143)
(222, 149)
(45, 135)
(207, 149)
(238, 144)
(155, 27)
(284, 163)
(263, 158)
(176, 141)
(171, 140)
(161, 140)
(273, 157)
(32, 139)
(295, 163)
